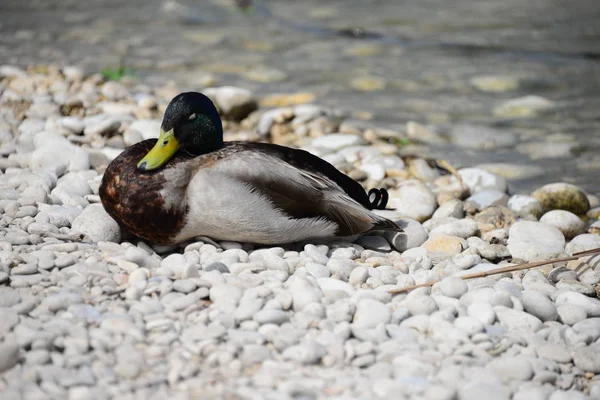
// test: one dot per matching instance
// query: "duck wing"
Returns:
(301, 185)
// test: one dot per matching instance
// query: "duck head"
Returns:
(191, 124)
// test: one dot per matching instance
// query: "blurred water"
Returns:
(419, 57)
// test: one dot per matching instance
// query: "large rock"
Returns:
(95, 223)
(533, 241)
(562, 196)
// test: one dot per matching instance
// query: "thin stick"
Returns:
(502, 270)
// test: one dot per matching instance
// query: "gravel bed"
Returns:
(90, 312)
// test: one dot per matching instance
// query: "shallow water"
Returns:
(395, 61)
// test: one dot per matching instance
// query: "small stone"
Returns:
(583, 242)
(444, 244)
(438, 392)
(265, 75)
(524, 107)
(515, 319)
(184, 286)
(533, 241)
(513, 171)
(71, 124)
(587, 358)
(271, 316)
(73, 73)
(9, 297)
(477, 390)
(421, 305)
(358, 276)
(525, 205)
(367, 83)
(496, 83)
(413, 199)
(414, 235)
(511, 368)
(541, 150)
(97, 224)
(131, 137)
(9, 320)
(590, 305)
(374, 243)
(483, 312)
(482, 137)
(254, 354)
(567, 222)
(309, 352)
(590, 328)
(37, 357)
(464, 228)
(148, 128)
(576, 286)
(216, 266)
(453, 287)
(422, 134)
(24, 269)
(337, 141)
(147, 101)
(478, 179)
(540, 305)
(233, 102)
(248, 307)
(553, 351)
(318, 270)
(487, 198)
(304, 292)
(114, 91)
(453, 209)
(102, 128)
(370, 313)
(61, 301)
(9, 355)
(469, 325)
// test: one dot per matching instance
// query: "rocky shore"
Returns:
(90, 312)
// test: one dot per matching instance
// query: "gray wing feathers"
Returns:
(301, 193)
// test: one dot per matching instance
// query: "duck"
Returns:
(190, 183)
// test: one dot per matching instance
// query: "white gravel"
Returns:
(91, 313)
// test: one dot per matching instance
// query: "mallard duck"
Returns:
(191, 183)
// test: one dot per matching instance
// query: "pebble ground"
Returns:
(89, 312)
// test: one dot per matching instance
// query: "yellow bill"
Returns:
(162, 152)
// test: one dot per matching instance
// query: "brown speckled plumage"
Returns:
(133, 198)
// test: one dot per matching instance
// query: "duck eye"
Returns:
(191, 117)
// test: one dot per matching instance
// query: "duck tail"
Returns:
(384, 224)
